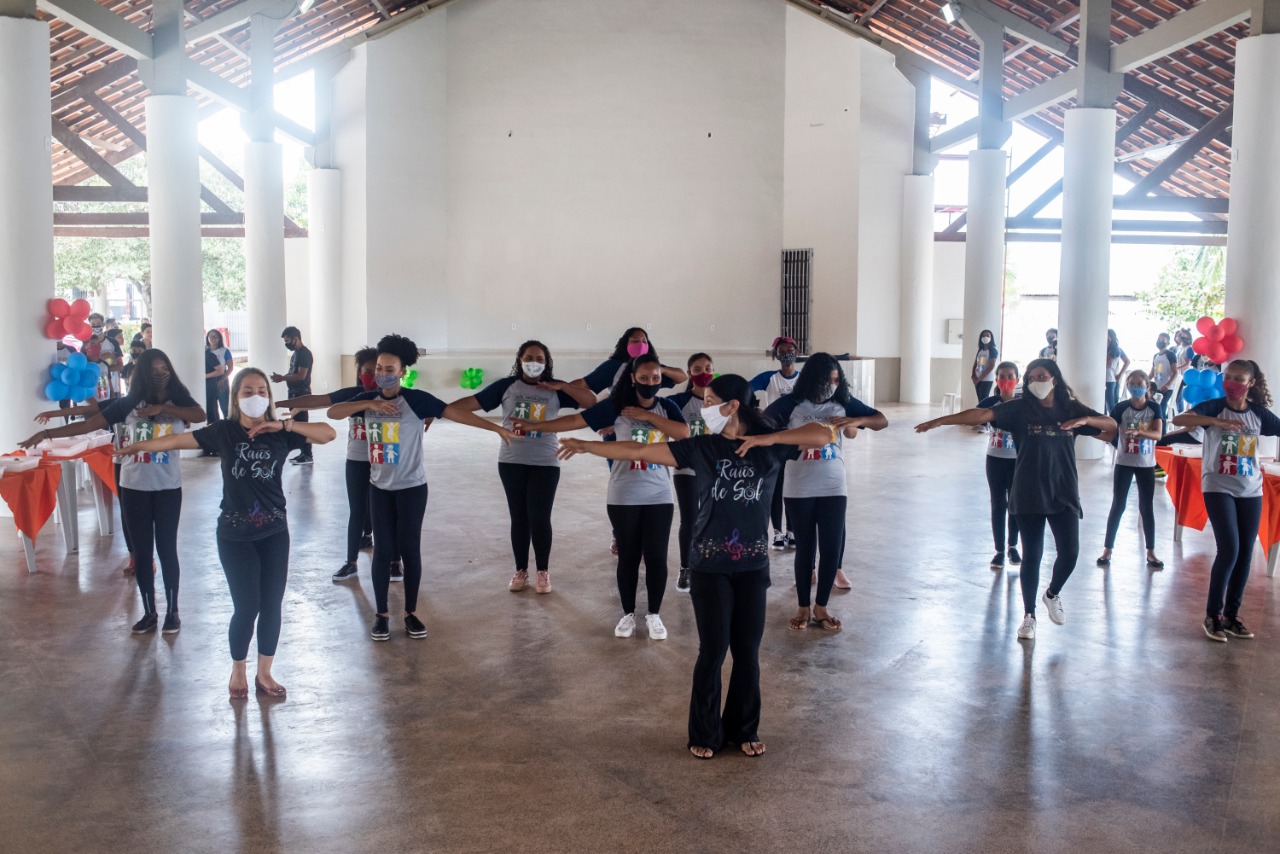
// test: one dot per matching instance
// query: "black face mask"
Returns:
(289, 345)
(1162, 344)
(644, 391)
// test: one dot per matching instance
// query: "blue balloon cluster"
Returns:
(1201, 385)
(76, 380)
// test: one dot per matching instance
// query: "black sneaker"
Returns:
(791, 540)
(380, 630)
(779, 541)
(171, 623)
(366, 542)
(302, 461)
(397, 571)
(146, 624)
(997, 561)
(682, 581)
(1014, 557)
(348, 571)
(1235, 628)
(414, 626)
(1214, 629)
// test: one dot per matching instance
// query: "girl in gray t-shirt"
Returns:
(528, 466)
(1140, 427)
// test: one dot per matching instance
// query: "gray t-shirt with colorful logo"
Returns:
(632, 483)
(521, 401)
(819, 472)
(150, 471)
(395, 441)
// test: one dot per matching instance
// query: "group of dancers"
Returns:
(710, 448)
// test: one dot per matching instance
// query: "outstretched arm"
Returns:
(172, 442)
(90, 408)
(78, 428)
(306, 401)
(815, 434)
(658, 454)
(581, 395)
(465, 416)
(563, 424)
(968, 418)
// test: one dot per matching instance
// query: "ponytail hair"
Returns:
(729, 387)
(623, 393)
(1258, 392)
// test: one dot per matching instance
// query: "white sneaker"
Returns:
(626, 626)
(657, 631)
(1027, 631)
(1055, 607)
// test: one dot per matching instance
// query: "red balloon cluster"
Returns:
(68, 319)
(1220, 341)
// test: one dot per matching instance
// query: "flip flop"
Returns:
(1104, 562)
(830, 622)
(799, 623)
(1155, 564)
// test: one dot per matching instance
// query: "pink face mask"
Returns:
(1235, 390)
(637, 348)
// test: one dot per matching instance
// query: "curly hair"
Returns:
(364, 356)
(402, 348)
(620, 353)
(1258, 392)
(814, 377)
(548, 375)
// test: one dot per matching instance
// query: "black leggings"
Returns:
(1066, 538)
(256, 571)
(999, 482)
(819, 528)
(1235, 526)
(128, 539)
(1120, 480)
(687, 498)
(152, 519)
(729, 609)
(775, 510)
(397, 527)
(531, 493)
(305, 452)
(359, 520)
(983, 389)
(643, 530)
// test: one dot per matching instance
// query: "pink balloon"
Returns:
(1215, 334)
(1218, 353)
(80, 308)
(84, 332)
(71, 324)
(55, 330)
(1228, 326)
(59, 307)
(1232, 343)
(1201, 346)
(1204, 324)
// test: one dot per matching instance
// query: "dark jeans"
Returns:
(983, 389)
(643, 531)
(729, 609)
(687, 498)
(305, 452)
(999, 482)
(1110, 396)
(1120, 480)
(256, 571)
(819, 527)
(217, 395)
(775, 510)
(1066, 538)
(359, 520)
(531, 493)
(1235, 526)
(397, 528)
(152, 520)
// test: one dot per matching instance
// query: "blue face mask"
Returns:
(386, 381)
(1137, 391)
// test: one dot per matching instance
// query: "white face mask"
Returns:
(533, 369)
(714, 419)
(1041, 389)
(254, 406)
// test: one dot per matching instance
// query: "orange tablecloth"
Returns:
(1182, 478)
(31, 496)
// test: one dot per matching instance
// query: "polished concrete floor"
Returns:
(522, 724)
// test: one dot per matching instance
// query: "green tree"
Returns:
(1191, 285)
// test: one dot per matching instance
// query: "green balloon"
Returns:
(472, 378)
(410, 377)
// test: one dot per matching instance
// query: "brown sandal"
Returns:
(830, 622)
(800, 623)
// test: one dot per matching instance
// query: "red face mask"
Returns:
(1235, 390)
(702, 380)
(366, 380)
(1006, 386)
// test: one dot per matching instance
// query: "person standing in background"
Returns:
(1163, 372)
(297, 381)
(775, 384)
(113, 359)
(984, 364)
(1051, 351)
(143, 336)
(1117, 365)
(217, 378)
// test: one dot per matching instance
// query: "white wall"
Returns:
(948, 302)
(350, 155)
(297, 285)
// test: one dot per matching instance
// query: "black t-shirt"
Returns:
(301, 358)
(731, 531)
(252, 492)
(1044, 480)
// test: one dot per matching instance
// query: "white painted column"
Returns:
(173, 202)
(264, 257)
(324, 222)
(1253, 249)
(983, 258)
(917, 288)
(26, 225)
(1084, 287)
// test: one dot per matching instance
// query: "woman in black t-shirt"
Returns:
(253, 532)
(736, 465)
(1045, 422)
